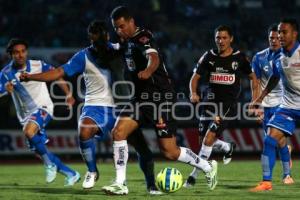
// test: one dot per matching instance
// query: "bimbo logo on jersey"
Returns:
(222, 78)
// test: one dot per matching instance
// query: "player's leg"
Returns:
(123, 128)
(145, 159)
(268, 159)
(36, 137)
(279, 125)
(191, 180)
(95, 122)
(282, 147)
(171, 151)
(87, 131)
(285, 157)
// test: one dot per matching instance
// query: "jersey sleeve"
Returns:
(3, 81)
(245, 65)
(145, 43)
(255, 67)
(202, 64)
(75, 65)
(46, 67)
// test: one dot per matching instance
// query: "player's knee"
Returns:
(117, 134)
(28, 133)
(85, 133)
(171, 154)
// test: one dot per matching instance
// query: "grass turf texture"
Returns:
(27, 182)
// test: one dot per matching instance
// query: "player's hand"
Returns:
(9, 87)
(194, 98)
(70, 101)
(255, 104)
(144, 75)
(24, 77)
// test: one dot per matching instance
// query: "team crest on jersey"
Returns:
(234, 65)
(266, 68)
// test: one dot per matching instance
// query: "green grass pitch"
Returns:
(26, 182)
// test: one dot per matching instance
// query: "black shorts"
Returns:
(155, 114)
(226, 111)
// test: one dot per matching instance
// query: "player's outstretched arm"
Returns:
(48, 76)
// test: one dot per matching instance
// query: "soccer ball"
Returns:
(169, 180)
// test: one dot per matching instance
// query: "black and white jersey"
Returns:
(223, 74)
(135, 53)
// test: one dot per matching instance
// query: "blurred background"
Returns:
(184, 30)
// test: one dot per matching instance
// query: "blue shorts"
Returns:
(104, 117)
(40, 118)
(268, 113)
(285, 120)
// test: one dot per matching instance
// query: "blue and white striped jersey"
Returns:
(97, 78)
(262, 65)
(288, 68)
(27, 96)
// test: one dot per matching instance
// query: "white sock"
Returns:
(120, 149)
(221, 145)
(204, 153)
(189, 157)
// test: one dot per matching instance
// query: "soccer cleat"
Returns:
(262, 186)
(90, 179)
(70, 181)
(288, 180)
(211, 177)
(190, 182)
(115, 189)
(154, 191)
(290, 152)
(51, 171)
(228, 156)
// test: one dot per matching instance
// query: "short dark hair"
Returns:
(273, 27)
(224, 28)
(119, 12)
(13, 42)
(98, 27)
(291, 21)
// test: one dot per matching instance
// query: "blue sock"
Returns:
(62, 168)
(268, 157)
(285, 159)
(147, 166)
(41, 149)
(87, 149)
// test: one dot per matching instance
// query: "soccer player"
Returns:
(222, 68)
(151, 104)
(34, 106)
(282, 123)
(262, 66)
(98, 114)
